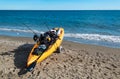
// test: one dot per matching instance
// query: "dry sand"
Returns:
(77, 61)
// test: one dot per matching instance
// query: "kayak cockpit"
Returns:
(40, 50)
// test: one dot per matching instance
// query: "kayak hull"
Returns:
(52, 48)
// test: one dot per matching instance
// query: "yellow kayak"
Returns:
(34, 59)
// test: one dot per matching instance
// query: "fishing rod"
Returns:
(27, 26)
(46, 26)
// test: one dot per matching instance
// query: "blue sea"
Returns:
(97, 27)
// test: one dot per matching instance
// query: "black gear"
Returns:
(35, 37)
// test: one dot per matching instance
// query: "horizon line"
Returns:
(57, 10)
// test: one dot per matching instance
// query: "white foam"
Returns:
(97, 37)
(19, 30)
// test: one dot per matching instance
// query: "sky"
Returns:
(59, 4)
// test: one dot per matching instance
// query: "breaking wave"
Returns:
(20, 30)
(96, 37)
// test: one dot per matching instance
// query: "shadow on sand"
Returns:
(21, 55)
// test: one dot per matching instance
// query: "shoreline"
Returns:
(112, 41)
(77, 60)
(31, 39)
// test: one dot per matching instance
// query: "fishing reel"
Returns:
(35, 37)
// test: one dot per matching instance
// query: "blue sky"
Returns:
(59, 4)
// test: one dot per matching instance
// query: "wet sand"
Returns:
(77, 61)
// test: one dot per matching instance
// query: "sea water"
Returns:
(98, 27)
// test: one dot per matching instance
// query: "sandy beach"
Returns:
(77, 61)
